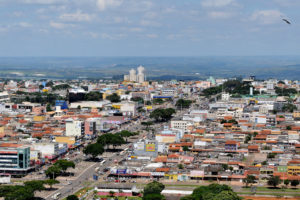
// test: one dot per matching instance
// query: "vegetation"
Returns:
(137, 99)
(250, 179)
(274, 181)
(114, 98)
(213, 192)
(59, 168)
(158, 101)
(61, 87)
(110, 139)
(271, 155)
(152, 191)
(94, 150)
(23, 192)
(289, 107)
(294, 183)
(285, 92)
(72, 197)
(181, 103)
(161, 114)
(93, 96)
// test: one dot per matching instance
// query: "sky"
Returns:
(149, 27)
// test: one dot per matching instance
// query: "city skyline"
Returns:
(148, 28)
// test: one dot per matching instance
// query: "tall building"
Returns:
(140, 75)
(136, 76)
(132, 75)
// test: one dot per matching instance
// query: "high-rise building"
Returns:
(136, 76)
(140, 75)
(132, 75)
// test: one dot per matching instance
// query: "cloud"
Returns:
(43, 1)
(78, 16)
(112, 36)
(93, 34)
(59, 25)
(103, 4)
(25, 24)
(152, 35)
(267, 16)
(150, 23)
(220, 14)
(216, 3)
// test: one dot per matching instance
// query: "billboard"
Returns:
(150, 147)
(121, 171)
(139, 146)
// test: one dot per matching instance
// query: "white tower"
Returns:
(141, 75)
(132, 75)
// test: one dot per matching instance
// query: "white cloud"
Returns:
(220, 14)
(267, 16)
(59, 25)
(78, 16)
(216, 3)
(152, 35)
(112, 36)
(25, 24)
(43, 1)
(149, 23)
(136, 29)
(150, 15)
(103, 4)
(93, 34)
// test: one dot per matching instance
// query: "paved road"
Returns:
(89, 172)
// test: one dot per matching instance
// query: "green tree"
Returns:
(137, 99)
(93, 96)
(72, 197)
(153, 197)
(64, 165)
(226, 195)
(289, 107)
(48, 108)
(180, 166)
(288, 128)
(53, 171)
(250, 179)
(274, 181)
(35, 185)
(158, 101)
(181, 103)
(153, 188)
(114, 98)
(294, 183)
(94, 150)
(286, 182)
(185, 148)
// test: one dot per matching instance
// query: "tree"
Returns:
(250, 179)
(286, 182)
(264, 162)
(225, 167)
(53, 171)
(181, 103)
(160, 114)
(153, 188)
(158, 101)
(271, 155)
(64, 165)
(153, 197)
(274, 181)
(94, 150)
(48, 108)
(35, 185)
(180, 166)
(51, 182)
(294, 183)
(288, 128)
(147, 124)
(137, 99)
(114, 98)
(289, 107)
(72, 197)
(93, 96)
(185, 148)
(110, 139)
(226, 195)
(111, 193)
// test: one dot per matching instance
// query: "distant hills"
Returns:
(185, 68)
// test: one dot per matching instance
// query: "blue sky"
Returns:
(149, 27)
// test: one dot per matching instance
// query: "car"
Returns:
(123, 181)
(106, 169)
(69, 183)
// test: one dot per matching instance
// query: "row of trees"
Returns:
(273, 181)
(59, 168)
(106, 141)
(26, 191)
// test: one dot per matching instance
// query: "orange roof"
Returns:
(162, 169)
(227, 124)
(231, 142)
(10, 145)
(253, 147)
